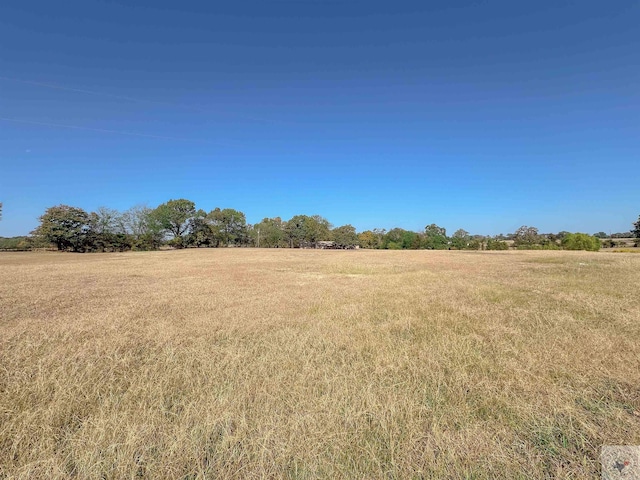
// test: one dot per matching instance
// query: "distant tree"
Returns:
(107, 231)
(269, 233)
(200, 232)
(401, 239)
(317, 229)
(550, 241)
(230, 225)
(526, 237)
(580, 241)
(495, 244)
(141, 223)
(393, 246)
(295, 230)
(174, 217)
(602, 235)
(477, 242)
(107, 220)
(368, 239)
(66, 227)
(435, 237)
(393, 239)
(461, 239)
(345, 236)
(411, 240)
(379, 235)
(636, 232)
(15, 243)
(302, 230)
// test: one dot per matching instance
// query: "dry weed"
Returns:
(241, 363)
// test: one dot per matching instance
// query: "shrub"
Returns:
(497, 245)
(581, 241)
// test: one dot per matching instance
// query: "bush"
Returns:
(14, 243)
(581, 241)
(497, 245)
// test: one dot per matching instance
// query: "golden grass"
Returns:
(240, 363)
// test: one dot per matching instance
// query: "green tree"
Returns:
(200, 232)
(174, 217)
(141, 223)
(401, 239)
(368, 239)
(526, 237)
(295, 230)
(345, 236)
(393, 239)
(66, 227)
(636, 229)
(305, 231)
(230, 225)
(15, 243)
(317, 229)
(477, 242)
(580, 241)
(495, 244)
(435, 237)
(379, 234)
(269, 233)
(461, 239)
(107, 231)
(411, 240)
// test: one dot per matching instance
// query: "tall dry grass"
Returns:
(234, 363)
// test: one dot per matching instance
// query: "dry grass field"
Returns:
(241, 363)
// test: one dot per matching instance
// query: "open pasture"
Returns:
(249, 363)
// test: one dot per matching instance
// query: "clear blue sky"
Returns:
(484, 115)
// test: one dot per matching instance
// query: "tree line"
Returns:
(178, 224)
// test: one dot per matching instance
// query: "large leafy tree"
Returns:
(303, 230)
(295, 230)
(435, 237)
(142, 225)
(393, 239)
(401, 239)
(345, 236)
(636, 228)
(461, 239)
(527, 236)
(229, 224)
(317, 228)
(581, 241)
(174, 217)
(411, 240)
(368, 239)
(269, 233)
(200, 230)
(108, 231)
(66, 227)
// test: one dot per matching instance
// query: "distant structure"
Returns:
(331, 245)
